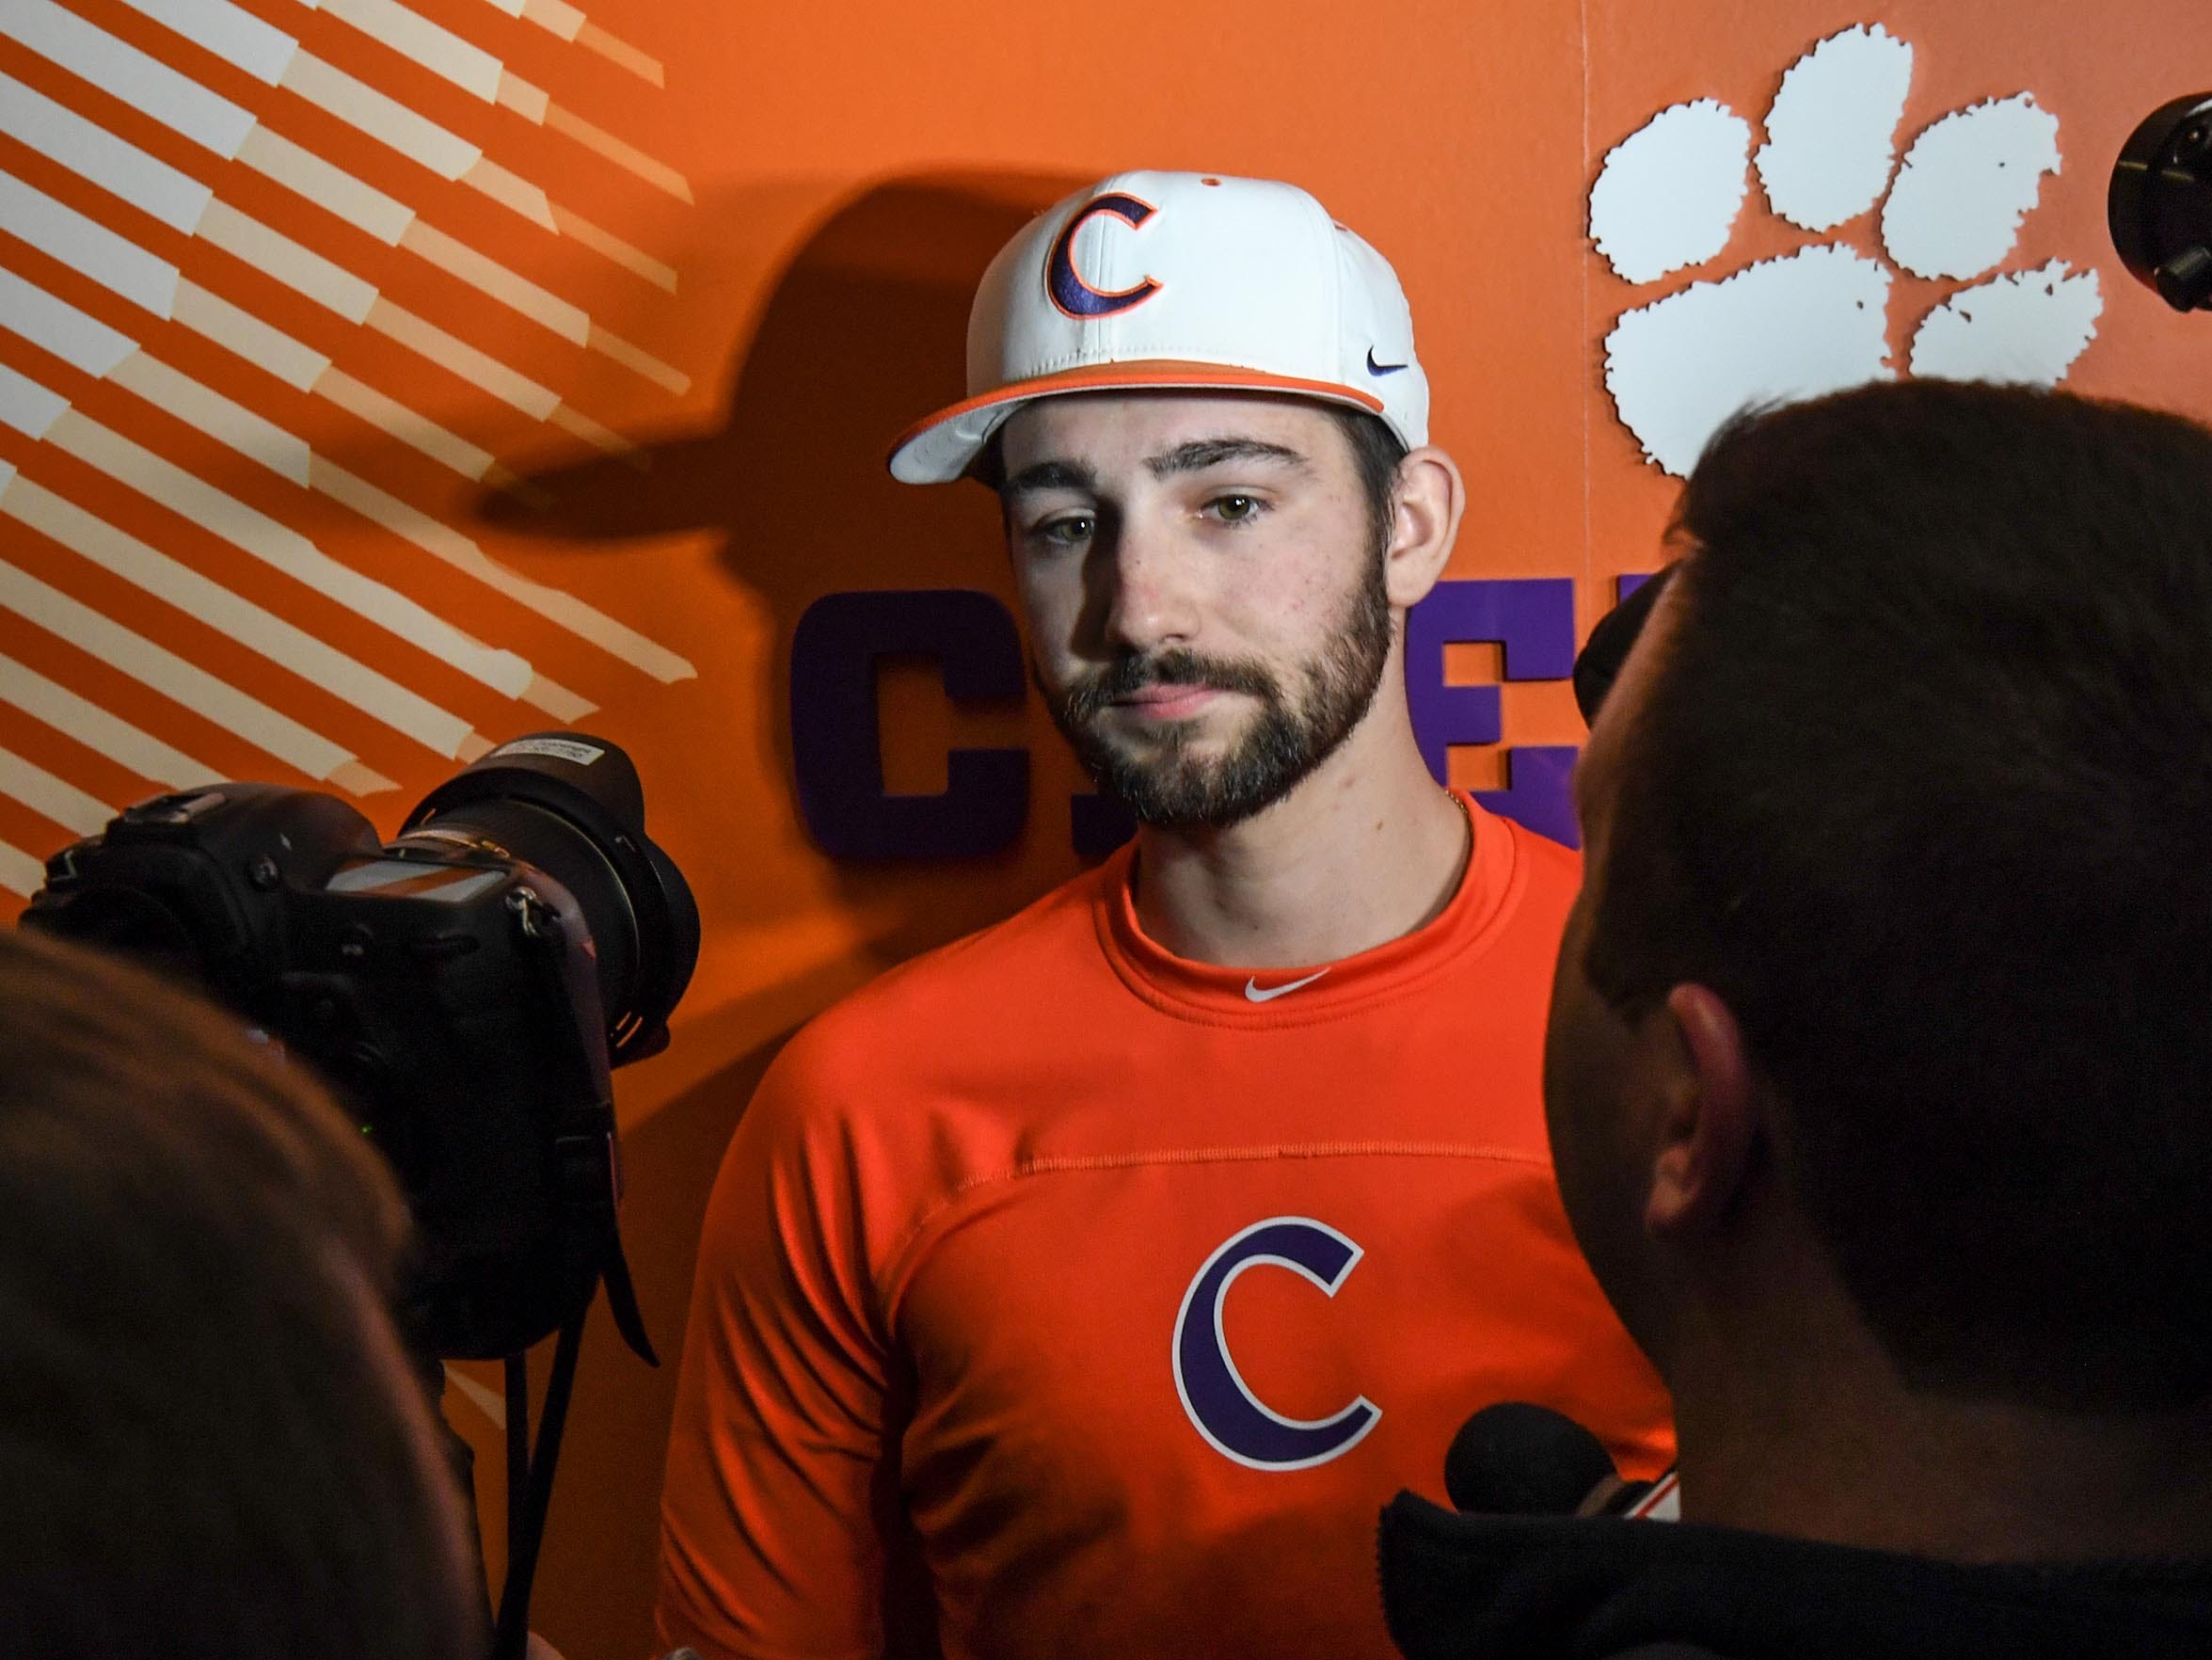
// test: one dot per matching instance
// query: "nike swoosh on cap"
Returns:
(1253, 991)
(1375, 368)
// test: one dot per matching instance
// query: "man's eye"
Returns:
(1235, 509)
(1067, 533)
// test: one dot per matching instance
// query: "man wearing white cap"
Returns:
(1086, 1287)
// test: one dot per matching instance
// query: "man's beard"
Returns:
(1166, 785)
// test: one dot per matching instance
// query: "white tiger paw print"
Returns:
(1817, 320)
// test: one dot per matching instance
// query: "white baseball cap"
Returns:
(1179, 280)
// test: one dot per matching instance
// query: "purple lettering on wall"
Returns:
(836, 740)
(1539, 791)
(1533, 619)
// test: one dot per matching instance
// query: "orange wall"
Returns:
(851, 169)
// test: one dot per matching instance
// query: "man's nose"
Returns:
(1150, 602)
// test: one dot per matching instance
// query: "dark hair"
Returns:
(1923, 788)
(211, 1443)
(1376, 453)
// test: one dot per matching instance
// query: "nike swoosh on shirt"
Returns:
(1253, 991)
(1375, 368)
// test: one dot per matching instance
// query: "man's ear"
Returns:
(1709, 1125)
(1430, 500)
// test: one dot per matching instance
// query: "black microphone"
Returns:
(1516, 1458)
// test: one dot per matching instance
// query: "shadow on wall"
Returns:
(863, 333)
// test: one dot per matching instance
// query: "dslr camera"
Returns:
(465, 988)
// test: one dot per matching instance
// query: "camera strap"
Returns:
(622, 1300)
(591, 1191)
(590, 1188)
(529, 1483)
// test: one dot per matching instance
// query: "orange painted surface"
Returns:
(852, 169)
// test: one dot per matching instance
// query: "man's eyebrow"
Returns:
(1050, 475)
(1201, 453)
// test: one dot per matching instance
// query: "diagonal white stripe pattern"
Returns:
(234, 134)
(19, 872)
(91, 346)
(162, 670)
(477, 72)
(231, 615)
(124, 268)
(51, 797)
(39, 412)
(106, 734)
(63, 582)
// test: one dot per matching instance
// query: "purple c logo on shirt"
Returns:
(1234, 1421)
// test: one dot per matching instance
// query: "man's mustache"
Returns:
(1128, 676)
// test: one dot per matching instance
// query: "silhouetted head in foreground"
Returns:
(211, 1442)
(1880, 1071)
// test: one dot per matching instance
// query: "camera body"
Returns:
(464, 989)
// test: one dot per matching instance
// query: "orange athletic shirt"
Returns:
(1122, 1291)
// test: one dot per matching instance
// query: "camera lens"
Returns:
(571, 805)
(2160, 203)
